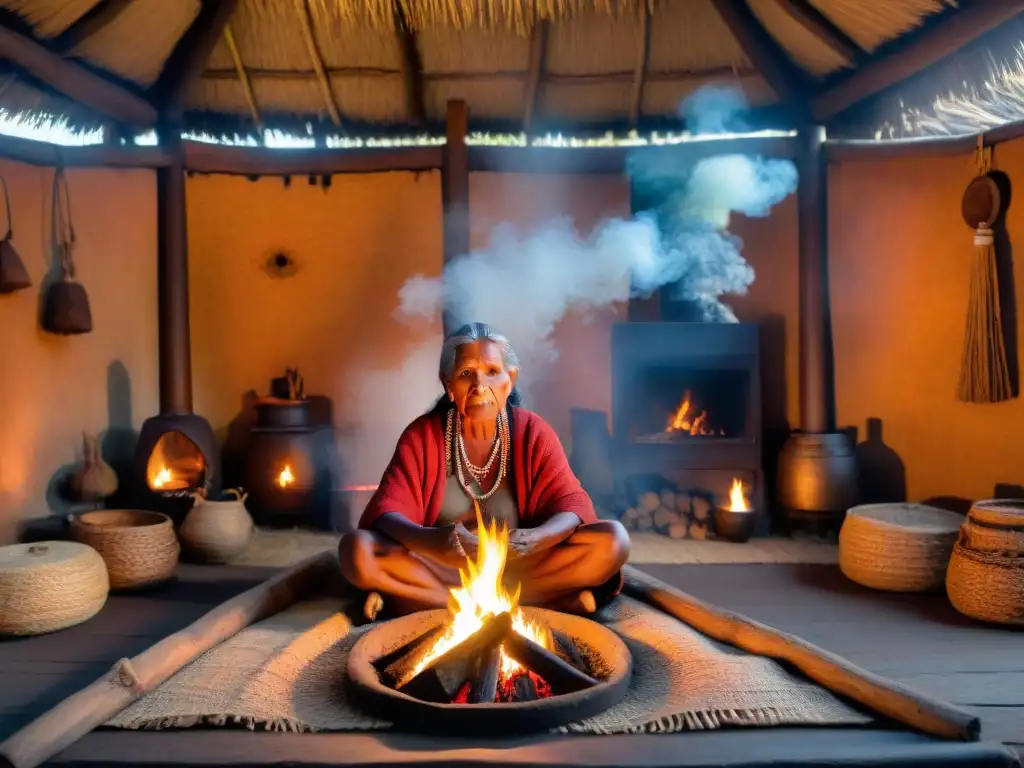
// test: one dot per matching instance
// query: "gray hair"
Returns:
(469, 333)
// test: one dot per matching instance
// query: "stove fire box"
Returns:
(686, 408)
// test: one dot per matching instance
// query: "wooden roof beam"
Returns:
(788, 82)
(73, 80)
(302, 6)
(819, 25)
(911, 54)
(90, 23)
(411, 65)
(535, 71)
(243, 77)
(643, 54)
(189, 58)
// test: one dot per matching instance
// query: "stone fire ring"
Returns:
(604, 650)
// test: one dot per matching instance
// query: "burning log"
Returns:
(398, 666)
(560, 675)
(524, 689)
(441, 678)
(483, 688)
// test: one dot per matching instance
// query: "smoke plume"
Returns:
(525, 282)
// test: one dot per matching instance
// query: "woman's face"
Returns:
(480, 383)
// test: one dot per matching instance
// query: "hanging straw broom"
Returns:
(984, 372)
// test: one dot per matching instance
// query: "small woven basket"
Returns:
(139, 548)
(49, 586)
(985, 579)
(897, 547)
(987, 586)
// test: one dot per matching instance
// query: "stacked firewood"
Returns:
(676, 515)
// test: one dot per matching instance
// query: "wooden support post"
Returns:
(455, 188)
(812, 207)
(175, 344)
(535, 71)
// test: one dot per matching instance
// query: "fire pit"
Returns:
(487, 665)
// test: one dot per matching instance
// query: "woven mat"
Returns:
(281, 548)
(288, 673)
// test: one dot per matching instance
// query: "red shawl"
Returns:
(542, 482)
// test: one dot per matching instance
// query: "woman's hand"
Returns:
(524, 542)
(450, 545)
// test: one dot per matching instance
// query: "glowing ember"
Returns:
(737, 499)
(285, 477)
(482, 595)
(686, 419)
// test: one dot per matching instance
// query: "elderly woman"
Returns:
(478, 445)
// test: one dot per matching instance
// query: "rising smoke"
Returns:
(524, 283)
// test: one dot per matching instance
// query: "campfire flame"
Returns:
(686, 419)
(482, 595)
(737, 498)
(286, 477)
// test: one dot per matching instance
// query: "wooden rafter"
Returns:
(819, 25)
(535, 71)
(775, 66)
(189, 57)
(412, 66)
(243, 76)
(643, 54)
(904, 58)
(90, 23)
(302, 6)
(73, 80)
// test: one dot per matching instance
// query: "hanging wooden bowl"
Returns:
(982, 202)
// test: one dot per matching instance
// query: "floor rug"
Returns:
(288, 673)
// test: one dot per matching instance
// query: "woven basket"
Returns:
(217, 531)
(139, 548)
(897, 547)
(49, 586)
(995, 525)
(987, 586)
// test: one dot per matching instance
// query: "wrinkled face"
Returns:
(480, 382)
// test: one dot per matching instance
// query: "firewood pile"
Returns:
(493, 665)
(674, 514)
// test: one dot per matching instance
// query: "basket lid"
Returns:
(27, 556)
(1000, 512)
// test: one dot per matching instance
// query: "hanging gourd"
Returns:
(66, 305)
(984, 370)
(13, 275)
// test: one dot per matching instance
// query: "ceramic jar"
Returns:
(217, 531)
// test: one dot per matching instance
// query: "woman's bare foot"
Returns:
(582, 603)
(373, 605)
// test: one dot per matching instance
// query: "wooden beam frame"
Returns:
(91, 22)
(258, 161)
(535, 71)
(643, 54)
(819, 25)
(908, 56)
(75, 81)
(243, 77)
(308, 35)
(189, 57)
(788, 82)
(411, 66)
(455, 190)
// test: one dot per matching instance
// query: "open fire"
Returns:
(689, 420)
(175, 465)
(737, 497)
(286, 477)
(487, 651)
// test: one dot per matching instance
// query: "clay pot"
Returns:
(736, 527)
(217, 531)
(96, 480)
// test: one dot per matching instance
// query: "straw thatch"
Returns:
(341, 61)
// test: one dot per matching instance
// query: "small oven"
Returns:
(686, 410)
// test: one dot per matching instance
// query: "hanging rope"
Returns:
(65, 229)
(984, 372)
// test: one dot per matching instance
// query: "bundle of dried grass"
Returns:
(984, 371)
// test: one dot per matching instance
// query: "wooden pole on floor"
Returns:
(130, 679)
(455, 189)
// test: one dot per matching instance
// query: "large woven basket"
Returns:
(985, 579)
(49, 586)
(139, 548)
(897, 547)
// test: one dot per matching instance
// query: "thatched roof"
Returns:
(386, 64)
